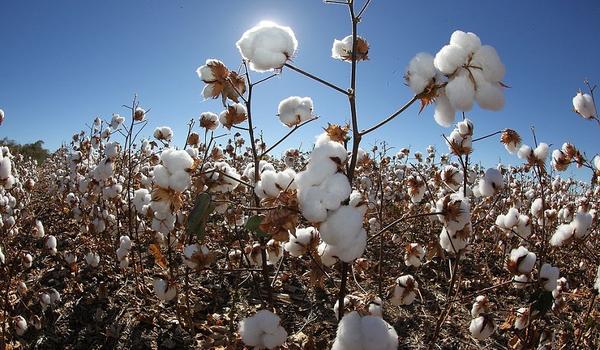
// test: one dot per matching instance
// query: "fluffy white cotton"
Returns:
(549, 276)
(521, 260)
(488, 60)
(482, 327)
(481, 305)
(597, 281)
(444, 113)
(405, 290)
(470, 42)
(364, 333)
(267, 46)
(163, 290)
(489, 95)
(420, 72)
(176, 160)
(271, 183)
(450, 58)
(584, 105)
(582, 223)
(491, 182)
(522, 318)
(414, 254)
(262, 330)
(541, 151)
(20, 325)
(163, 133)
(295, 110)
(461, 91)
(524, 152)
(92, 259)
(300, 244)
(209, 120)
(537, 208)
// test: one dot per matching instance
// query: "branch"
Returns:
(392, 116)
(317, 79)
(298, 126)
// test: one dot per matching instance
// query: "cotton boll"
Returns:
(39, 230)
(597, 281)
(482, 327)
(521, 281)
(481, 305)
(161, 176)
(2, 257)
(20, 325)
(468, 41)
(512, 218)
(541, 151)
(461, 91)
(378, 334)
(163, 290)
(537, 208)
(450, 58)
(125, 242)
(267, 46)
(351, 250)
(582, 222)
(51, 242)
(295, 110)
(583, 104)
(342, 224)
(92, 259)
(349, 333)
(176, 160)
(327, 253)
(163, 133)
(488, 60)
(298, 245)
(404, 290)
(521, 261)
(274, 339)
(180, 181)
(209, 120)
(444, 113)
(522, 318)
(420, 72)
(489, 96)
(549, 276)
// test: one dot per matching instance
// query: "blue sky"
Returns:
(64, 62)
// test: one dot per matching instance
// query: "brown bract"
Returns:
(337, 133)
(233, 117)
(167, 194)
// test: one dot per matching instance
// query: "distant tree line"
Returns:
(34, 150)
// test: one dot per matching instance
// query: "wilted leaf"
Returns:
(253, 225)
(159, 258)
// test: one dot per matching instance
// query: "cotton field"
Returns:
(227, 242)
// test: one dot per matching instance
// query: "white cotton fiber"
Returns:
(267, 46)
(450, 58)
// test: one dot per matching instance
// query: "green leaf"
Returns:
(253, 225)
(199, 214)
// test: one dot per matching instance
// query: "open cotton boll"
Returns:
(537, 208)
(549, 276)
(420, 72)
(299, 245)
(39, 230)
(511, 219)
(180, 181)
(364, 333)
(176, 160)
(262, 330)
(482, 327)
(451, 242)
(524, 152)
(352, 249)
(414, 254)
(2, 257)
(461, 91)
(481, 305)
(327, 253)
(522, 318)
(163, 133)
(51, 242)
(92, 259)
(541, 151)
(468, 41)
(521, 261)
(163, 290)
(583, 104)
(450, 58)
(404, 290)
(20, 325)
(295, 110)
(5, 168)
(488, 60)
(343, 224)
(267, 46)
(582, 222)
(209, 120)
(141, 198)
(125, 242)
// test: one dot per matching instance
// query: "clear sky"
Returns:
(64, 62)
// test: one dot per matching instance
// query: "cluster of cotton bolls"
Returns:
(49, 297)
(267, 46)
(456, 218)
(262, 330)
(272, 182)
(514, 223)
(482, 324)
(125, 244)
(342, 232)
(579, 228)
(356, 332)
(295, 110)
(462, 72)
(223, 178)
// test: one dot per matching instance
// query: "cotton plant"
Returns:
(461, 73)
